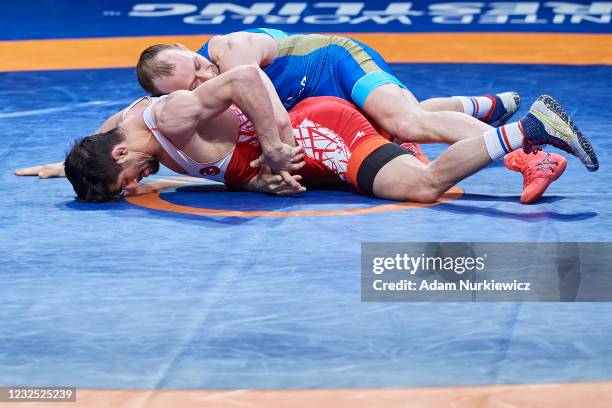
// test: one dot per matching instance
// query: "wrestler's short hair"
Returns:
(90, 167)
(149, 67)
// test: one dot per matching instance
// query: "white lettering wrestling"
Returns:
(355, 13)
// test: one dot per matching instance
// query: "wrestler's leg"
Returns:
(406, 179)
(442, 104)
(363, 69)
(402, 178)
(492, 109)
(397, 111)
(387, 102)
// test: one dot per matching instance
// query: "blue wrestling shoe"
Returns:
(504, 106)
(548, 123)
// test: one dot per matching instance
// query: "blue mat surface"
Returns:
(118, 296)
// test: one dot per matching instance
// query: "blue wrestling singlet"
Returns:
(323, 65)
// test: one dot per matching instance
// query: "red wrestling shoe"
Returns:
(415, 150)
(539, 170)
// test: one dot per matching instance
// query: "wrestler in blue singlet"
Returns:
(323, 65)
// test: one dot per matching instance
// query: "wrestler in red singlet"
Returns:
(337, 139)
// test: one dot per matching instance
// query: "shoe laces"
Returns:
(546, 165)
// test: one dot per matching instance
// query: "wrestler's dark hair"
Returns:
(90, 167)
(149, 67)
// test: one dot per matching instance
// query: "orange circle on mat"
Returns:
(154, 202)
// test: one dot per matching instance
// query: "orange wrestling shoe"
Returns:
(415, 150)
(539, 170)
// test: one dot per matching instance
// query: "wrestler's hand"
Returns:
(156, 186)
(43, 171)
(283, 161)
(266, 182)
(141, 189)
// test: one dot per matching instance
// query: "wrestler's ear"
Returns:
(119, 152)
(179, 45)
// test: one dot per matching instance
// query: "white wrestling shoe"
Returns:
(548, 123)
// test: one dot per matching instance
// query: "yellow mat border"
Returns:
(520, 48)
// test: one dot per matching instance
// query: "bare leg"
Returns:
(397, 111)
(406, 179)
(442, 104)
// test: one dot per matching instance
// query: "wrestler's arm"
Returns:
(57, 169)
(181, 112)
(232, 50)
(111, 122)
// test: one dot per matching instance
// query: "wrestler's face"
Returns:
(134, 167)
(190, 70)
